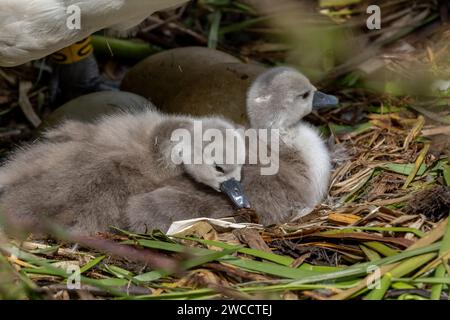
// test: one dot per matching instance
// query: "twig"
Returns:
(25, 104)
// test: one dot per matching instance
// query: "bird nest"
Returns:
(386, 211)
(384, 221)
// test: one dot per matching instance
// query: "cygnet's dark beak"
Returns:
(233, 189)
(322, 100)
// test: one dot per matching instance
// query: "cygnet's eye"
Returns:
(218, 168)
(304, 95)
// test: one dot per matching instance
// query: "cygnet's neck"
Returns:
(278, 122)
(305, 139)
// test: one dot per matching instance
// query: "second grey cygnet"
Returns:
(278, 99)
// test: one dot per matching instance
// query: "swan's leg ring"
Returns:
(73, 53)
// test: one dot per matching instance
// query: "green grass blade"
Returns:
(110, 282)
(88, 266)
(434, 280)
(269, 268)
(282, 260)
(446, 173)
(372, 255)
(190, 263)
(405, 168)
(417, 232)
(384, 284)
(440, 270)
(118, 272)
(213, 37)
(285, 261)
(403, 268)
(362, 269)
(381, 248)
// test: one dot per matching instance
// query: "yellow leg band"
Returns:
(73, 53)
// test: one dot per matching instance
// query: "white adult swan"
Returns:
(32, 29)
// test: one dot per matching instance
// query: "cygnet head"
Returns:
(216, 157)
(281, 97)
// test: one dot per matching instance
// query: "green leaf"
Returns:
(218, 3)
(417, 232)
(404, 169)
(286, 261)
(223, 256)
(399, 284)
(47, 251)
(403, 268)
(47, 270)
(203, 293)
(110, 282)
(122, 48)
(337, 3)
(283, 260)
(372, 255)
(118, 272)
(190, 263)
(239, 26)
(446, 173)
(381, 248)
(178, 295)
(205, 258)
(384, 109)
(361, 269)
(150, 276)
(213, 37)
(270, 268)
(440, 270)
(434, 280)
(91, 264)
(357, 129)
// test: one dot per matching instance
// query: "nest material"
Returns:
(246, 215)
(434, 203)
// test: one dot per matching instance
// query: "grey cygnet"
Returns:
(278, 99)
(87, 177)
